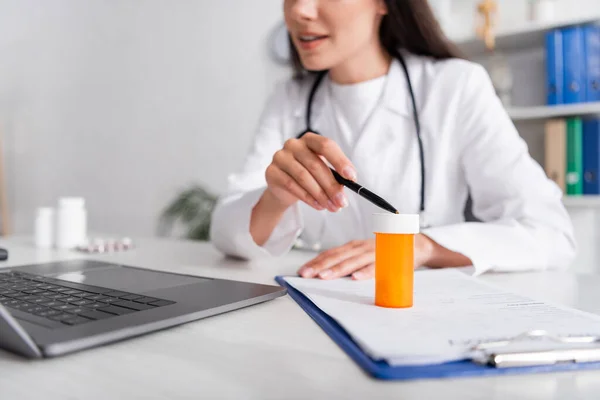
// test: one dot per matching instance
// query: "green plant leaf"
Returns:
(192, 208)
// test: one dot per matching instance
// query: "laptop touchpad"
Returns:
(129, 279)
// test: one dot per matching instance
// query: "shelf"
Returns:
(518, 38)
(558, 111)
(589, 201)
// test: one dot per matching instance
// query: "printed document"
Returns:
(451, 312)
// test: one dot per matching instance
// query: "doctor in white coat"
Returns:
(363, 111)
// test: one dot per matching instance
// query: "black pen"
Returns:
(367, 194)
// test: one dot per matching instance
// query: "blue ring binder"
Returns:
(382, 370)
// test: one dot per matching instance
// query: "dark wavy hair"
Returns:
(409, 25)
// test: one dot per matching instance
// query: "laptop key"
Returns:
(35, 309)
(56, 296)
(61, 290)
(39, 300)
(80, 287)
(18, 295)
(110, 300)
(65, 307)
(60, 317)
(116, 310)
(47, 301)
(34, 291)
(39, 279)
(48, 313)
(19, 304)
(146, 300)
(73, 291)
(131, 297)
(161, 303)
(97, 305)
(133, 306)
(116, 293)
(48, 287)
(54, 304)
(95, 315)
(76, 320)
(94, 296)
(81, 302)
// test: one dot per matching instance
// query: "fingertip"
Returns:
(332, 207)
(327, 274)
(349, 173)
(341, 199)
(317, 206)
(306, 272)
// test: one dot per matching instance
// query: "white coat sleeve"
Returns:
(524, 225)
(230, 226)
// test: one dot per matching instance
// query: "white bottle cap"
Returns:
(45, 211)
(396, 223)
(77, 202)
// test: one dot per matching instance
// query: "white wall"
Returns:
(126, 101)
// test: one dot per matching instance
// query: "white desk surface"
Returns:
(269, 351)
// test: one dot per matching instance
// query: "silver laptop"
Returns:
(56, 308)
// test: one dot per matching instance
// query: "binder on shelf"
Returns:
(555, 146)
(591, 156)
(554, 67)
(574, 65)
(574, 181)
(591, 38)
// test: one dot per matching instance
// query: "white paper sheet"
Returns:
(451, 312)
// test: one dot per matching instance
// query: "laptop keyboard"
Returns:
(67, 302)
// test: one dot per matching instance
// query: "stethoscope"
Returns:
(309, 104)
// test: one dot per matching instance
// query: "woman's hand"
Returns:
(357, 259)
(298, 172)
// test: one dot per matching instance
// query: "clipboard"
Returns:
(382, 370)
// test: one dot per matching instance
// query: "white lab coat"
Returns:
(470, 145)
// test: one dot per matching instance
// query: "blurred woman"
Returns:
(394, 107)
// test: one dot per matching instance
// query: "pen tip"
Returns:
(397, 212)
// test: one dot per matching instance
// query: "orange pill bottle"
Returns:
(394, 258)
